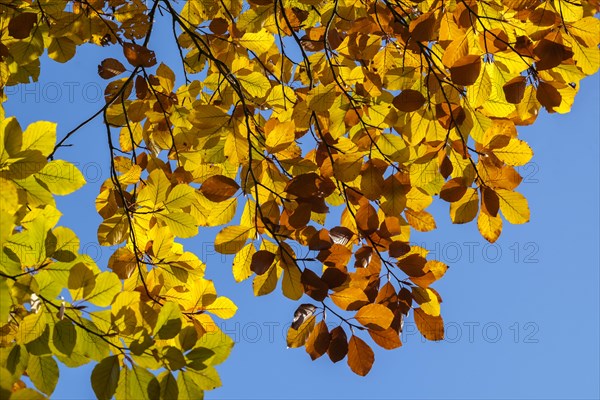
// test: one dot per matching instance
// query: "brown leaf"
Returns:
(514, 90)
(398, 249)
(413, 265)
(320, 240)
(334, 277)
(218, 26)
(261, 261)
(318, 341)
(465, 70)
(302, 313)
(446, 167)
(432, 328)
(139, 56)
(141, 87)
(313, 285)
(338, 345)
(548, 96)
(490, 202)
(21, 25)
(109, 68)
(363, 257)
(366, 219)
(422, 29)
(360, 356)
(409, 100)
(493, 40)
(219, 188)
(550, 54)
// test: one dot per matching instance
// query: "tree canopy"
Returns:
(331, 125)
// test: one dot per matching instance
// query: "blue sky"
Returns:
(522, 315)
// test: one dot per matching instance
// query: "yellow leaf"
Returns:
(231, 239)
(489, 227)
(259, 42)
(427, 299)
(290, 283)
(222, 307)
(351, 298)
(61, 49)
(514, 206)
(40, 136)
(465, 209)
(421, 220)
(322, 97)
(281, 137)
(515, 153)
(241, 263)
(297, 338)
(255, 83)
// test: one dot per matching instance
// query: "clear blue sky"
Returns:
(522, 315)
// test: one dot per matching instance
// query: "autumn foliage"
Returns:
(332, 125)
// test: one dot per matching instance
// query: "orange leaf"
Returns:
(351, 298)
(432, 328)
(360, 356)
(388, 339)
(375, 316)
(318, 341)
(366, 219)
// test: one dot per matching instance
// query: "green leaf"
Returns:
(168, 323)
(31, 327)
(6, 382)
(27, 394)
(5, 301)
(64, 337)
(105, 377)
(43, 372)
(168, 386)
(206, 379)
(89, 344)
(137, 383)
(188, 388)
(218, 343)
